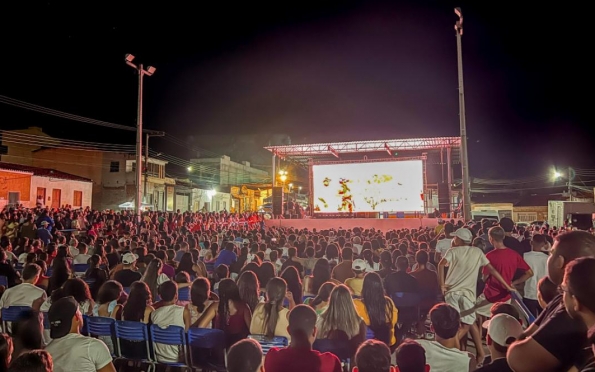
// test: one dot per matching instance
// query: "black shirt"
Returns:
(563, 337)
(126, 277)
(400, 281)
(9, 272)
(498, 365)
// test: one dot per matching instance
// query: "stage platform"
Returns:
(349, 223)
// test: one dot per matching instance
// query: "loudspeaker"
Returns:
(277, 201)
(581, 221)
(443, 198)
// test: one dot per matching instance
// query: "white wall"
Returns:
(67, 188)
(200, 197)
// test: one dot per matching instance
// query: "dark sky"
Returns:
(315, 70)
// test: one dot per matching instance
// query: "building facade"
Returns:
(112, 173)
(27, 185)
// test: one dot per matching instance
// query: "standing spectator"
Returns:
(537, 261)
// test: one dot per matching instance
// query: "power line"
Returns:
(61, 114)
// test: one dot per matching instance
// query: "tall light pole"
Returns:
(139, 132)
(464, 158)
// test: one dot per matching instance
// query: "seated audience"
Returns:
(411, 357)
(245, 356)
(70, 350)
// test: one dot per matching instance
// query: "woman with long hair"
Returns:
(340, 320)
(188, 265)
(320, 275)
(294, 284)
(270, 318)
(377, 310)
(153, 276)
(201, 308)
(138, 307)
(78, 289)
(320, 302)
(60, 274)
(265, 273)
(96, 273)
(233, 314)
(249, 288)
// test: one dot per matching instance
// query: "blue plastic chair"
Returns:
(127, 290)
(184, 294)
(81, 268)
(4, 281)
(11, 314)
(90, 281)
(133, 331)
(48, 272)
(210, 267)
(369, 334)
(85, 330)
(209, 339)
(101, 326)
(267, 343)
(173, 336)
(46, 321)
(529, 317)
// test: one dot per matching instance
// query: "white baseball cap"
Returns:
(503, 329)
(359, 265)
(246, 241)
(464, 234)
(129, 258)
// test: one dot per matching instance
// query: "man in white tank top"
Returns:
(443, 355)
(167, 315)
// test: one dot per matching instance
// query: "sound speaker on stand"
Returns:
(278, 201)
(443, 198)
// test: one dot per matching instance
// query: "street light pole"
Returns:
(139, 132)
(464, 157)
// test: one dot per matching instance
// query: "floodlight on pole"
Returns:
(466, 209)
(128, 58)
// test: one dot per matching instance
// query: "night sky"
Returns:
(315, 71)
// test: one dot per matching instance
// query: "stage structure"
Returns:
(371, 178)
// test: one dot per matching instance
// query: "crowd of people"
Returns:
(412, 300)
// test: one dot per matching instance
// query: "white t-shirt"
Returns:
(21, 295)
(443, 359)
(165, 317)
(537, 261)
(464, 264)
(79, 353)
(81, 258)
(443, 245)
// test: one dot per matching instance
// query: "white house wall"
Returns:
(200, 199)
(67, 188)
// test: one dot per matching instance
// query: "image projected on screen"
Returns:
(390, 186)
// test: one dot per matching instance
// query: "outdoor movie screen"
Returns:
(385, 186)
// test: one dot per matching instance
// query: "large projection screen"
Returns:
(385, 186)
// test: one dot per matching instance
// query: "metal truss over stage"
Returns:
(300, 153)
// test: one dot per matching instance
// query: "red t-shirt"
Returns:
(292, 359)
(506, 262)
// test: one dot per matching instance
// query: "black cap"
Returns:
(60, 315)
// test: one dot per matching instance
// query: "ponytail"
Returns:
(271, 315)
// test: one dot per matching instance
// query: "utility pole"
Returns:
(147, 136)
(464, 158)
(139, 132)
